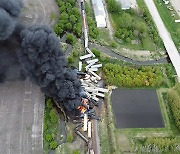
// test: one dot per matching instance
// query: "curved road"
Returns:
(165, 36)
(111, 53)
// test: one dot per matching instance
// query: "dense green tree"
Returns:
(114, 6)
(70, 39)
(72, 19)
(132, 76)
(69, 26)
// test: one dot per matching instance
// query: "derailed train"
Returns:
(85, 28)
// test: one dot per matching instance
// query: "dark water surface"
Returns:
(136, 108)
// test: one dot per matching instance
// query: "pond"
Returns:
(136, 108)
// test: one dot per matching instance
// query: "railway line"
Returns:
(94, 145)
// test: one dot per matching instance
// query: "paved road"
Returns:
(112, 54)
(164, 34)
(21, 118)
(176, 5)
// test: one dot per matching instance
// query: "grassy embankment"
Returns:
(169, 21)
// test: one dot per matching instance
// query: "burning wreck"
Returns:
(34, 52)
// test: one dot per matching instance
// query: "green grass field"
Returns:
(169, 21)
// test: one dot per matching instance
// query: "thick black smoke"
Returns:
(9, 65)
(46, 65)
(9, 10)
(35, 51)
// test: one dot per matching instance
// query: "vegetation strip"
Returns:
(169, 21)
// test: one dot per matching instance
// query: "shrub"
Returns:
(96, 52)
(76, 151)
(70, 39)
(70, 60)
(69, 137)
(53, 116)
(49, 103)
(45, 126)
(113, 44)
(48, 137)
(75, 53)
(174, 102)
(53, 145)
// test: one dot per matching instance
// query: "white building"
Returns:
(125, 4)
(99, 13)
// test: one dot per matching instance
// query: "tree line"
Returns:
(133, 76)
(174, 102)
(69, 19)
(160, 145)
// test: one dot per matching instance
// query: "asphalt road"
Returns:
(176, 5)
(165, 36)
(112, 54)
(21, 118)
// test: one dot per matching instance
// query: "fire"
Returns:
(85, 101)
(82, 109)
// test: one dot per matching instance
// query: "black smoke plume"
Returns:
(35, 50)
(45, 64)
(9, 10)
(9, 65)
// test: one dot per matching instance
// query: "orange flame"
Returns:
(82, 109)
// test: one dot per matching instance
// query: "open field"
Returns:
(21, 118)
(39, 12)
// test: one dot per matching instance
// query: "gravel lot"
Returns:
(39, 12)
(21, 118)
